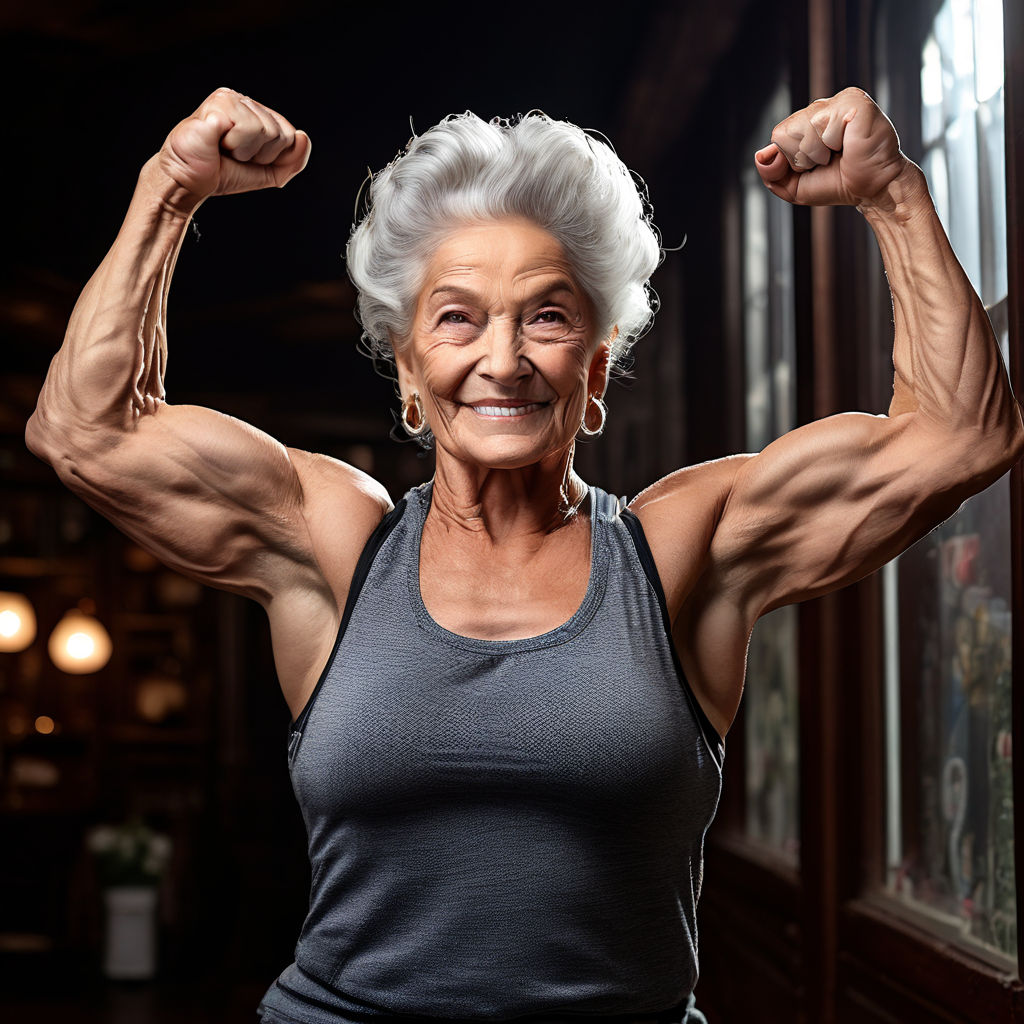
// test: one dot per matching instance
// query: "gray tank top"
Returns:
(500, 829)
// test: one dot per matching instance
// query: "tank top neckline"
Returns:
(567, 631)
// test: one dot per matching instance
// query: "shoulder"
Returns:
(680, 514)
(694, 483)
(341, 506)
(322, 474)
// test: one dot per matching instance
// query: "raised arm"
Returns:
(843, 496)
(209, 495)
(832, 501)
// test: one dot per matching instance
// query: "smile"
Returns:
(507, 410)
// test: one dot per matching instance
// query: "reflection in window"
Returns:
(772, 807)
(950, 802)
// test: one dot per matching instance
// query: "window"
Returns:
(949, 817)
(772, 804)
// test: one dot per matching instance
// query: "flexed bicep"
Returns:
(209, 495)
(831, 502)
(834, 500)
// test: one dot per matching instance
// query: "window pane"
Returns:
(772, 806)
(948, 600)
(951, 789)
(772, 811)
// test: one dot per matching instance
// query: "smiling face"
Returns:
(503, 349)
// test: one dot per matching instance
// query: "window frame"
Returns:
(818, 942)
(879, 940)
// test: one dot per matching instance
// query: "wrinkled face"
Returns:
(502, 349)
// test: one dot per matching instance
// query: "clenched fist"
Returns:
(230, 144)
(841, 151)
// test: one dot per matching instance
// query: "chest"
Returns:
(594, 724)
(504, 591)
(588, 710)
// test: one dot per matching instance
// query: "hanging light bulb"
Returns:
(79, 643)
(17, 622)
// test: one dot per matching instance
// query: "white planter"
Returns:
(130, 948)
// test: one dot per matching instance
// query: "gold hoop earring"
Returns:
(413, 418)
(602, 409)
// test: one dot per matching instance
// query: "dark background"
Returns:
(261, 326)
(261, 302)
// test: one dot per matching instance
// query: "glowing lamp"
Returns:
(17, 622)
(79, 644)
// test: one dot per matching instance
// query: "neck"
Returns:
(536, 499)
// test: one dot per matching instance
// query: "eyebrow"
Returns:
(449, 292)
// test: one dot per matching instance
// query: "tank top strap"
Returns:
(604, 505)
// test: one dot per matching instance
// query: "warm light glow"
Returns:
(79, 644)
(44, 724)
(17, 622)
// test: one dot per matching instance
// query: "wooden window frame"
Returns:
(885, 961)
(822, 942)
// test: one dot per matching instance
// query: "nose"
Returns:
(503, 360)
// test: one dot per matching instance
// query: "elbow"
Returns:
(1008, 443)
(60, 441)
(1015, 441)
(41, 436)
(50, 433)
(53, 444)
(990, 452)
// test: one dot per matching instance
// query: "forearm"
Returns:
(947, 364)
(110, 368)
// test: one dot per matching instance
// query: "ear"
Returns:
(406, 380)
(600, 364)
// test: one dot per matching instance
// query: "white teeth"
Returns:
(504, 410)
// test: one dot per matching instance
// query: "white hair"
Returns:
(466, 171)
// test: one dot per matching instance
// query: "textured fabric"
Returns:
(500, 829)
(685, 1015)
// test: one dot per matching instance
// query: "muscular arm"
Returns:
(833, 501)
(830, 502)
(179, 480)
(209, 495)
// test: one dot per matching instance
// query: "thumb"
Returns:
(292, 160)
(771, 164)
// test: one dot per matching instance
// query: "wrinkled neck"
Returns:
(507, 503)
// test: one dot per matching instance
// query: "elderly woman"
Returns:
(509, 691)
